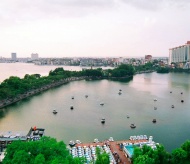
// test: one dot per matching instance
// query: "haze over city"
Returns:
(93, 28)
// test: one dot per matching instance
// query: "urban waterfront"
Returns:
(84, 121)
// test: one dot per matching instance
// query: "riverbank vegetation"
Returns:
(146, 155)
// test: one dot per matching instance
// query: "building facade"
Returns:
(13, 56)
(180, 53)
(34, 56)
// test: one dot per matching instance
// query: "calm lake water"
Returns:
(84, 121)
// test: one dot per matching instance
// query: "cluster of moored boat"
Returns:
(89, 152)
(139, 137)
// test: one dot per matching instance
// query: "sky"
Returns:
(93, 28)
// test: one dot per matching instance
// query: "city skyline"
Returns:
(96, 28)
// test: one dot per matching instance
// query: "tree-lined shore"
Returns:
(15, 89)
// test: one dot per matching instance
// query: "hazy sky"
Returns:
(102, 28)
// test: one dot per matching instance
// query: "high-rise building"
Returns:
(34, 56)
(13, 56)
(180, 53)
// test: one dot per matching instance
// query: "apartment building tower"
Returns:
(180, 53)
(13, 56)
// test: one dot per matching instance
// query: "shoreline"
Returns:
(10, 101)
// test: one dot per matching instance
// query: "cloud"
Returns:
(19, 10)
(158, 4)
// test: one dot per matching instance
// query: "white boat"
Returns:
(72, 143)
(78, 142)
(145, 137)
(96, 140)
(111, 139)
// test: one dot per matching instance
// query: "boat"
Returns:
(96, 140)
(119, 93)
(78, 142)
(54, 111)
(181, 92)
(172, 106)
(170, 91)
(102, 103)
(127, 116)
(72, 97)
(120, 90)
(155, 108)
(71, 107)
(155, 99)
(72, 143)
(86, 96)
(145, 137)
(133, 126)
(182, 101)
(154, 120)
(111, 139)
(103, 120)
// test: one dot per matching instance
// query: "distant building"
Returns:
(13, 56)
(180, 53)
(34, 56)
(148, 58)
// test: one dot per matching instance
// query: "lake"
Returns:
(84, 121)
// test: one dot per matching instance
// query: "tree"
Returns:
(20, 157)
(102, 158)
(163, 70)
(186, 147)
(39, 159)
(179, 156)
(144, 159)
(46, 150)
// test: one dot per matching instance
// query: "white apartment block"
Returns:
(13, 56)
(180, 53)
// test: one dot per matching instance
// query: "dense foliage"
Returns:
(45, 151)
(146, 67)
(102, 157)
(163, 70)
(161, 156)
